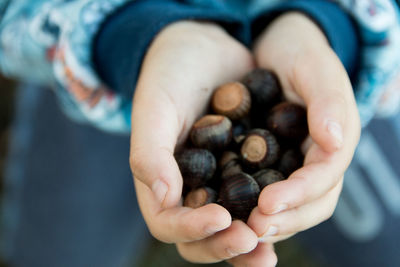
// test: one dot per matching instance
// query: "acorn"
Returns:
(212, 132)
(260, 149)
(266, 177)
(229, 164)
(232, 100)
(290, 161)
(239, 195)
(241, 126)
(264, 87)
(197, 166)
(289, 121)
(200, 197)
(227, 157)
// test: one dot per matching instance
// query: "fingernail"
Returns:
(280, 208)
(231, 253)
(159, 189)
(272, 230)
(336, 131)
(210, 230)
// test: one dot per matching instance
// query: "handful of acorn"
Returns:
(252, 141)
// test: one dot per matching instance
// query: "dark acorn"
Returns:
(239, 195)
(227, 157)
(290, 161)
(200, 197)
(229, 164)
(197, 166)
(264, 87)
(232, 100)
(260, 149)
(241, 127)
(266, 177)
(289, 121)
(212, 132)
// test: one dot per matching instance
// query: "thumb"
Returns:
(322, 82)
(155, 130)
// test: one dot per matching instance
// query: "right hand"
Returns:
(186, 61)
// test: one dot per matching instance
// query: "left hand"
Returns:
(312, 75)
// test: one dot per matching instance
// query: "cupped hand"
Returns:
(312, 75)
(185, 62)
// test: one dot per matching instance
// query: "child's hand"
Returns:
(311, 74)
(184, 64)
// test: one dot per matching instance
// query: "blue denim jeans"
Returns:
(69, 197)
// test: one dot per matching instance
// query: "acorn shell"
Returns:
(197, 166)
(266, 177)
(264, 88)
(229, 164)
(232, 100)
(239, 195)
(212, 132)
(260, 149)
(200, 197)
(290, 161)
(288, 120)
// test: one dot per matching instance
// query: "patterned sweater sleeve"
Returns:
(377, 85)
(67, 43)
(49, 42)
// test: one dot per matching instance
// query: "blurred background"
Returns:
(67, 197)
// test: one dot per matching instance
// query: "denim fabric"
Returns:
(69, 197)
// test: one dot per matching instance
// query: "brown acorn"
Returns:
(260, 149)
(229, 164)
(290, 161)
(212, 132)
(232, 100)
(266, 177)
(200, 197)
(239, 195)
(226, 157)
(288, 120)
(264, 87)
(197, 166)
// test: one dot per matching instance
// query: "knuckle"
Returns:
(136, 162)
(159, 235)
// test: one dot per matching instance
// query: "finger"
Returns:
(180, 224)
(152, 151)
(263, 255)
(271, 228)
(236, 240)
(322, 171)
(328, 95)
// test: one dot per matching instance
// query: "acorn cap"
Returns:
(232, 100)
(197, 166)
(260, 149)
(226, 157)
(264, 87)
(288, 120)
(266, 177)
(211, 132)
(290, 161)
(239, 195)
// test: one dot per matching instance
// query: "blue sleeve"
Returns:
(334, 22)
(125, 37)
